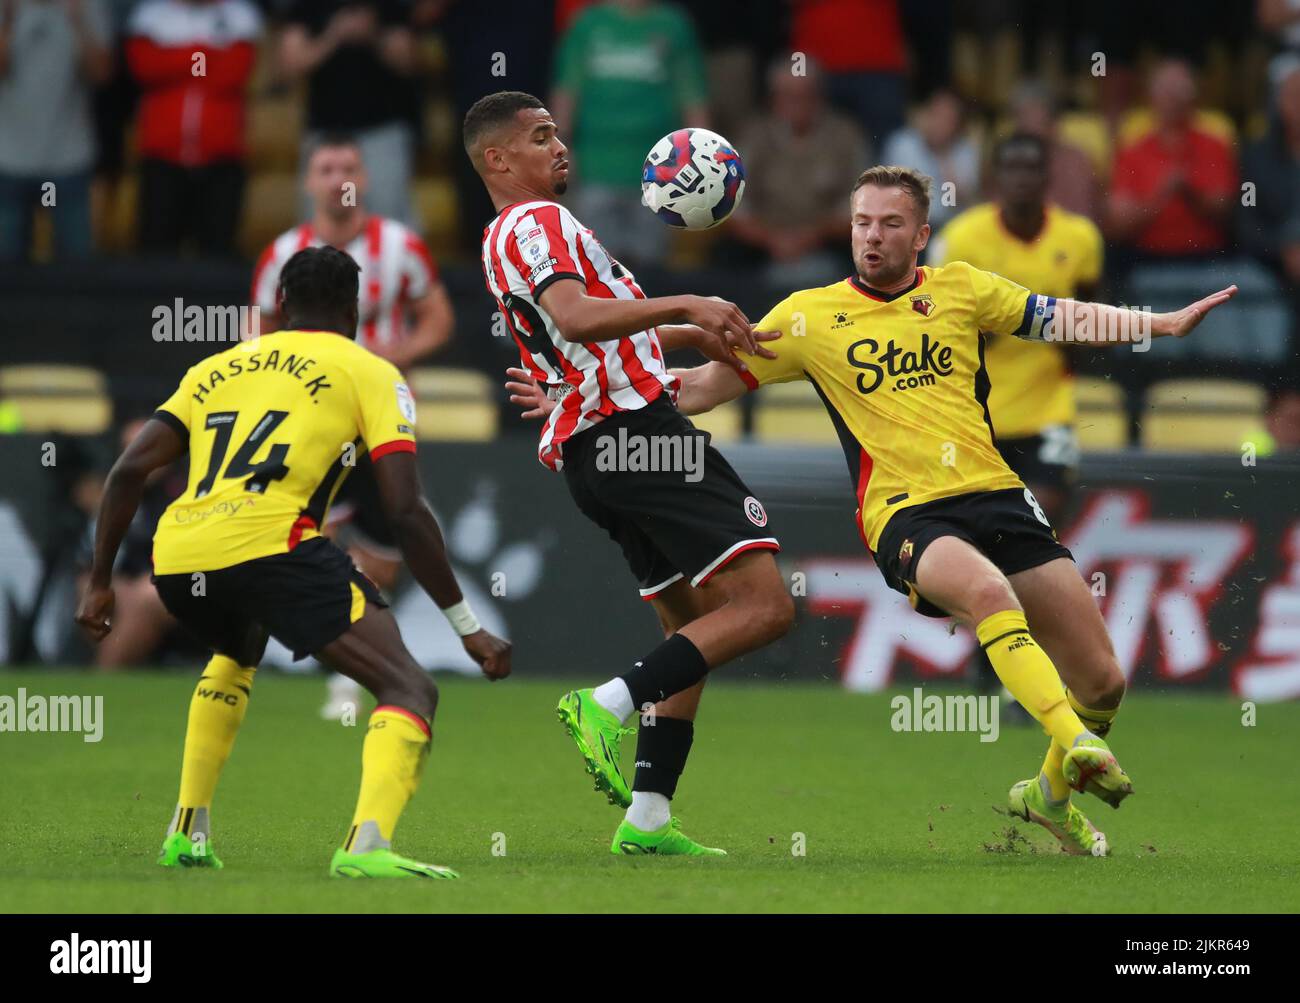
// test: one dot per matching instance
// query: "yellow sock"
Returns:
(216, 711)
(392, 759)
(1029, 674)
(1097, 720)
(1060, 790)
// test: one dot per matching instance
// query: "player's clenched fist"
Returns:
(490, 652)
(95, 613)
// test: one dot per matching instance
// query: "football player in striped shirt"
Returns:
(697, 540)
(896, 354)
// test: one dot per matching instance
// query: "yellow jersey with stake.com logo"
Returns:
(274, 425)
(903, 379)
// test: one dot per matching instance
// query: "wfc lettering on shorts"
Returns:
(909, 368)
(683, 454)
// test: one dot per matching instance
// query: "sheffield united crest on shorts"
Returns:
(755, 512)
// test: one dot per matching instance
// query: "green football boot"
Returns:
(666, 841)
(178, 850)
(1091, 767)
(1070, 826)
(383, 864)
(597, 733)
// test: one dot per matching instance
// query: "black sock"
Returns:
(674, 666)
(661, 751)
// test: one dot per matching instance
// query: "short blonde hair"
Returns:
(916, 184)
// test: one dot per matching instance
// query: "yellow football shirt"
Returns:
(274, 426)
(903, 380)
(1031, 383)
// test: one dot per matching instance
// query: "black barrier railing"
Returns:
(1194, 561)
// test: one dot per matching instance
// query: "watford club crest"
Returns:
(905, 551)
(923, 304)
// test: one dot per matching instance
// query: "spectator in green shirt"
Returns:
(628, 73)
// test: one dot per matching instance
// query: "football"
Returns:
(693, 179)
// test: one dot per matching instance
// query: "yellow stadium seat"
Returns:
(454, 405)
(69, 399)
(270, 208)
(792, 412)
(113, 213)
(435, 208)
(70, 415)
(1102, 421)
(41, 379)
(275, 132)
(725, 423)
(1201, 415)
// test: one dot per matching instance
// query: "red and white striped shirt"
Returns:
(526, 248)
(396, 269)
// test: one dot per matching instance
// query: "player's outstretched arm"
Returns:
(1077, 322)
(702, 389)
(582, 318)
(421, 543)
(705, 387)
(157, 445)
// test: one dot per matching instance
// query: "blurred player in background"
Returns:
(239, 554)
(1023, 237)
(405, 317)
(700, 547)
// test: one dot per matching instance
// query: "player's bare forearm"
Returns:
(581, 318)
(675, 336)
(156, 446)
(418, 535)
(705, 387)
(1078, 323)
(420, 539)
(117, 507)
(590, 318)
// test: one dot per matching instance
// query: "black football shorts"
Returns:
(1007, 527)
(305, 599)
(684, 519)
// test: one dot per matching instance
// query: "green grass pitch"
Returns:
(891, 821)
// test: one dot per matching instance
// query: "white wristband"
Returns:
(462, 618)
